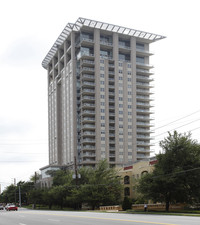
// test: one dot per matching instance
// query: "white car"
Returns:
(1, 207)
(7, 205)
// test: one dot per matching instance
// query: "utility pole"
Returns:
(76, 172)
(20, 202)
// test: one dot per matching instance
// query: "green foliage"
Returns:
(95, 187)
(176, 177)
(127, 203)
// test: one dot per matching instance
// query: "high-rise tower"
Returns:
(99, 94)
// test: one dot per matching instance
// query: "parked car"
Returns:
(1, 207)
(12, 207)
(8, 204)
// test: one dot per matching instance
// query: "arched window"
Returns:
(127, 191)
(126, 180)
(144, 173)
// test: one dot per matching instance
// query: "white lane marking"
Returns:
(21, 216)
(22, 224)
(54, 220)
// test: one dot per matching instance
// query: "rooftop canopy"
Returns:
(96, 24)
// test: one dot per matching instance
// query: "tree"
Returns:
(176, 177)
(103, 188)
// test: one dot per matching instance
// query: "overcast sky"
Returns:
(28, 30)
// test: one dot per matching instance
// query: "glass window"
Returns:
(126, 180)
(140, 59)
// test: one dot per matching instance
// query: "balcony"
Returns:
(88, 147)
(144, 65)
(84, 54)
(87, 77)
(144, 78)
(87, 69)
(88, 105)
(87, 83)
(145, 137)
(106, 43)
(144, 124)
(140, 130)
(88, 140)
(88, 112)
(86, 62)
(144, 91)
(88, 154)
(88, 98)
(88, 133)
(88, 126)
(144, 85)
(143, 52)
(143, 156)
(144, 72)
(87, 91)
(144, 111)
(144, 104)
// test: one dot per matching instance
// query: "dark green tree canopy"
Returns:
(176, 177)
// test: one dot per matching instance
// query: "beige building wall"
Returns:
(99, 95)
(131, 174)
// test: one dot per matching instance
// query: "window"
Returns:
(103, 138)
(120, 92)
(102, 96)
(140, 59)
(129, 127)
(126, 180)
(120, 78)
(129, 72)
(102, 110)
(129, 93)
(120, 105)
(120, 99)
(102, 117)
(101, 82)
(129, 79)
(129, 65)
(120, 71)
(120, 64)
(129, 106)
(102, 89)
(140, 46)
(102, 124)
(120, 112)
(101, 61)
(101, 75)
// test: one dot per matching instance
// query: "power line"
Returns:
(178, 127)
(178, 119)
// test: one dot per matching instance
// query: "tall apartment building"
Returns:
(99, 94)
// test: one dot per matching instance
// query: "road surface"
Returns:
(41, 217)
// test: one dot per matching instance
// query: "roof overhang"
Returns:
(99, 25)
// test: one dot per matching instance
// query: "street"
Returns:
(41, 217)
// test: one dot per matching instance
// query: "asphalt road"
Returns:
(40, 217)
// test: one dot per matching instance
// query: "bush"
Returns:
(127, 203)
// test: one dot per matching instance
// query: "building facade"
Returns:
(99, 94)
(132, 173)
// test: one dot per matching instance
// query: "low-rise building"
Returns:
(130, 175)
